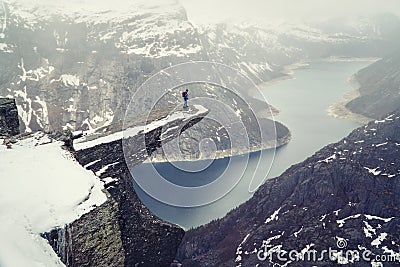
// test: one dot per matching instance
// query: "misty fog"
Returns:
(211, 11)
(214, 11)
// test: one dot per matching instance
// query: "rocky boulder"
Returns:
(9, 123)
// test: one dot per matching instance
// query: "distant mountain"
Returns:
(379, 88)
(344, 197)
(75, 64)
(384, 28)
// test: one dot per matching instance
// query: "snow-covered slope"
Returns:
(130, 26)
(42, 187)
(78, 61)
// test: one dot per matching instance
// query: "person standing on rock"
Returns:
(185, 95)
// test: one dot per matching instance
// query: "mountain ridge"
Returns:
(78, 73)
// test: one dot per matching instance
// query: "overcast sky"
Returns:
(200, 11)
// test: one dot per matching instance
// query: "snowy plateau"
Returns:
(43, 187)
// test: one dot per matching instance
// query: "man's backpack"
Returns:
(183, 94)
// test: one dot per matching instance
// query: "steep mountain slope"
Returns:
(379, 88)
(345, 197)
(77, 64)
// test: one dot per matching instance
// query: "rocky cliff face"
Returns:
(121, 232)
(379, 88)
(77, 66)
(344, 197)
(9, 123)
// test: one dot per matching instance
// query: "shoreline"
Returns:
(350, 59)
(288, 70)
(339, 109)
(225, 153)
(287, 74)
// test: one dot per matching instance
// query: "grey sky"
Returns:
(201, 11)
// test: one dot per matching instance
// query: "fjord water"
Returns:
(303, 102)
